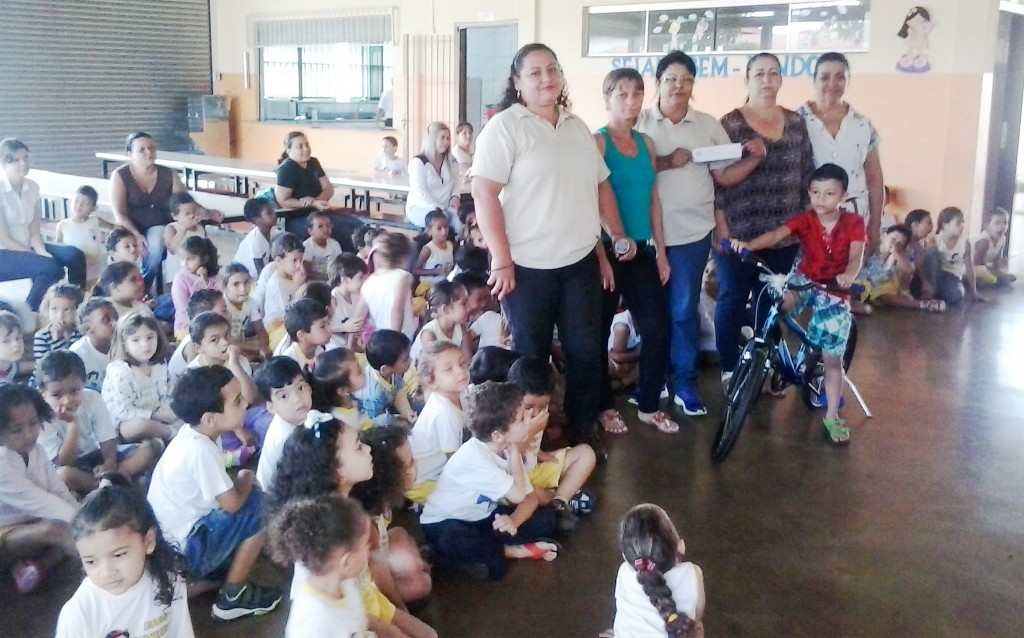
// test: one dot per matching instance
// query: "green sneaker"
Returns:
(250, 600)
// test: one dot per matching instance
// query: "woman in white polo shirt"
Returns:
(537, 182)
(23, 255)
(687, 191)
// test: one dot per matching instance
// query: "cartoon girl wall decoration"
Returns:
(916, 27)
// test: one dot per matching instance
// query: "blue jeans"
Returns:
(737, 280)
(569, 297)
(156, 252)
(43, 271)
(638, 282)
(212, 542)
(947, 286)
(687, 262)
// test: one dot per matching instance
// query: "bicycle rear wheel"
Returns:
(744, 388)
(813, 389)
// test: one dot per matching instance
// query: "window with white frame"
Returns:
(327, 68)
(714, 26)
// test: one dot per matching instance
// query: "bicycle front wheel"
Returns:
(744, 388)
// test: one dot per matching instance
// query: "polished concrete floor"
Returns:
(915, 529)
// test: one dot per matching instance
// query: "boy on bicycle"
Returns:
(833, 251)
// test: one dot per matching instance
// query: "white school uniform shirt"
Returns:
(94, 427)
(93, 611)
(95, 362)
(186, 482)
(394, 165)
(343, 311)
(438, 258)
(242, 318)
(273, 449)
(492, 329)
(313, 613)
(636, 617)
(32, 490)
(275, 295)
(995, 249)
(177, 364)
(85, 236)
(19, 209)
(433, 328)
(137, 306)
(626, 319)
(320, 257)
(293, 352)
(438, 432)
(550, 176)
(472, 483)
(129, 394)
(252, 247)
(379, 294)
(201, 362)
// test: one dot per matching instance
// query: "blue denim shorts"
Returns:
(92, 460)
(214, 538)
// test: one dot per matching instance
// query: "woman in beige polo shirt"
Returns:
(542, 196)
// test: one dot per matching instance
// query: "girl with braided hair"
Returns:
(656, 594)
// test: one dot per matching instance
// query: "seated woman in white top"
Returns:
(432, 176)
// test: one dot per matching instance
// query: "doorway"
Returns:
(1005, 175)
(485, 53)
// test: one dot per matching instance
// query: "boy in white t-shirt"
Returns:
(254, 250)
(348, 315)
(97, 319)
(320, 248)
(276, 291)
(201, 301)
(441, 426)
(308, 327)
(388, 161)
(247, 331)
(80, 440)
(84, 230)
(462, 521)
(623, 351)
(215, 521)
(283, 385)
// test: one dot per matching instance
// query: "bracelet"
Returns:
(501, 267)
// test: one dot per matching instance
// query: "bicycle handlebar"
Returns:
(749, 256)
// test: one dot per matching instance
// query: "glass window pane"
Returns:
(280, 71)
(691, 30)
(839, 25)
(615, 33)
(756, 28)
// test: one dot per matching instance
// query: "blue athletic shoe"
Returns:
(690, 402)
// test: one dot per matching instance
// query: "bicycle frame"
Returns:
(781, 359)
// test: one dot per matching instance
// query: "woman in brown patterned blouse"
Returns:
(775, 190)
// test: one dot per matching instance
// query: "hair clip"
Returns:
(644, 565)
(314, 419)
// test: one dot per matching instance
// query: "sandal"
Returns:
(934, 305)
(541, 550)
(612, 422)
(659, 420)
(835, 430)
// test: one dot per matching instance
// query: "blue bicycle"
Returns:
(767, 357)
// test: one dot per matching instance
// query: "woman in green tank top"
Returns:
(640, 281)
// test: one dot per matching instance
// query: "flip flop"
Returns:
(613, 422)
(660, 420)
(540, 550)
(835, 430)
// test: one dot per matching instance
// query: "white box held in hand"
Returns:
(718, 152)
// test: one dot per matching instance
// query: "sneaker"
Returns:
(690, 402)
(583, 502)
(27, 576)
(634, 396)
(565, 520)
(250, 600)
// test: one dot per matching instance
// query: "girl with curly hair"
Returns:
(656, 594)
(396, 564)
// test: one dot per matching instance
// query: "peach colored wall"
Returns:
(928, 123)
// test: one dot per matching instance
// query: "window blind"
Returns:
(367, 26)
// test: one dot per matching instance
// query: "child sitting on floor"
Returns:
(83, 230)
(121, 245)
(80, 440)
(348, 316)
(247, 331)
(947, 258)
(919, 221)
(61, 301)
(384, 397)
(122, 283)
(198, 272)
(254, 250)
(185, 212)
(396, 564)
(216, 521)
(283, 386)
(623, 351)
(279, 288)
(12, 348)
(991, 267)
(462, 520)
(388, 291)
(329, 536)
(833, 245)
(336, 376)
(887, 274)
(308, 326)
(201, 301)
(486, 323)
(558, 477)
(437, 257)
(656, 594)
(441, 426)
(136, 389)
(320, 247)
(447, 302)
(35, 504)
(148, 597)
(97, 320)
